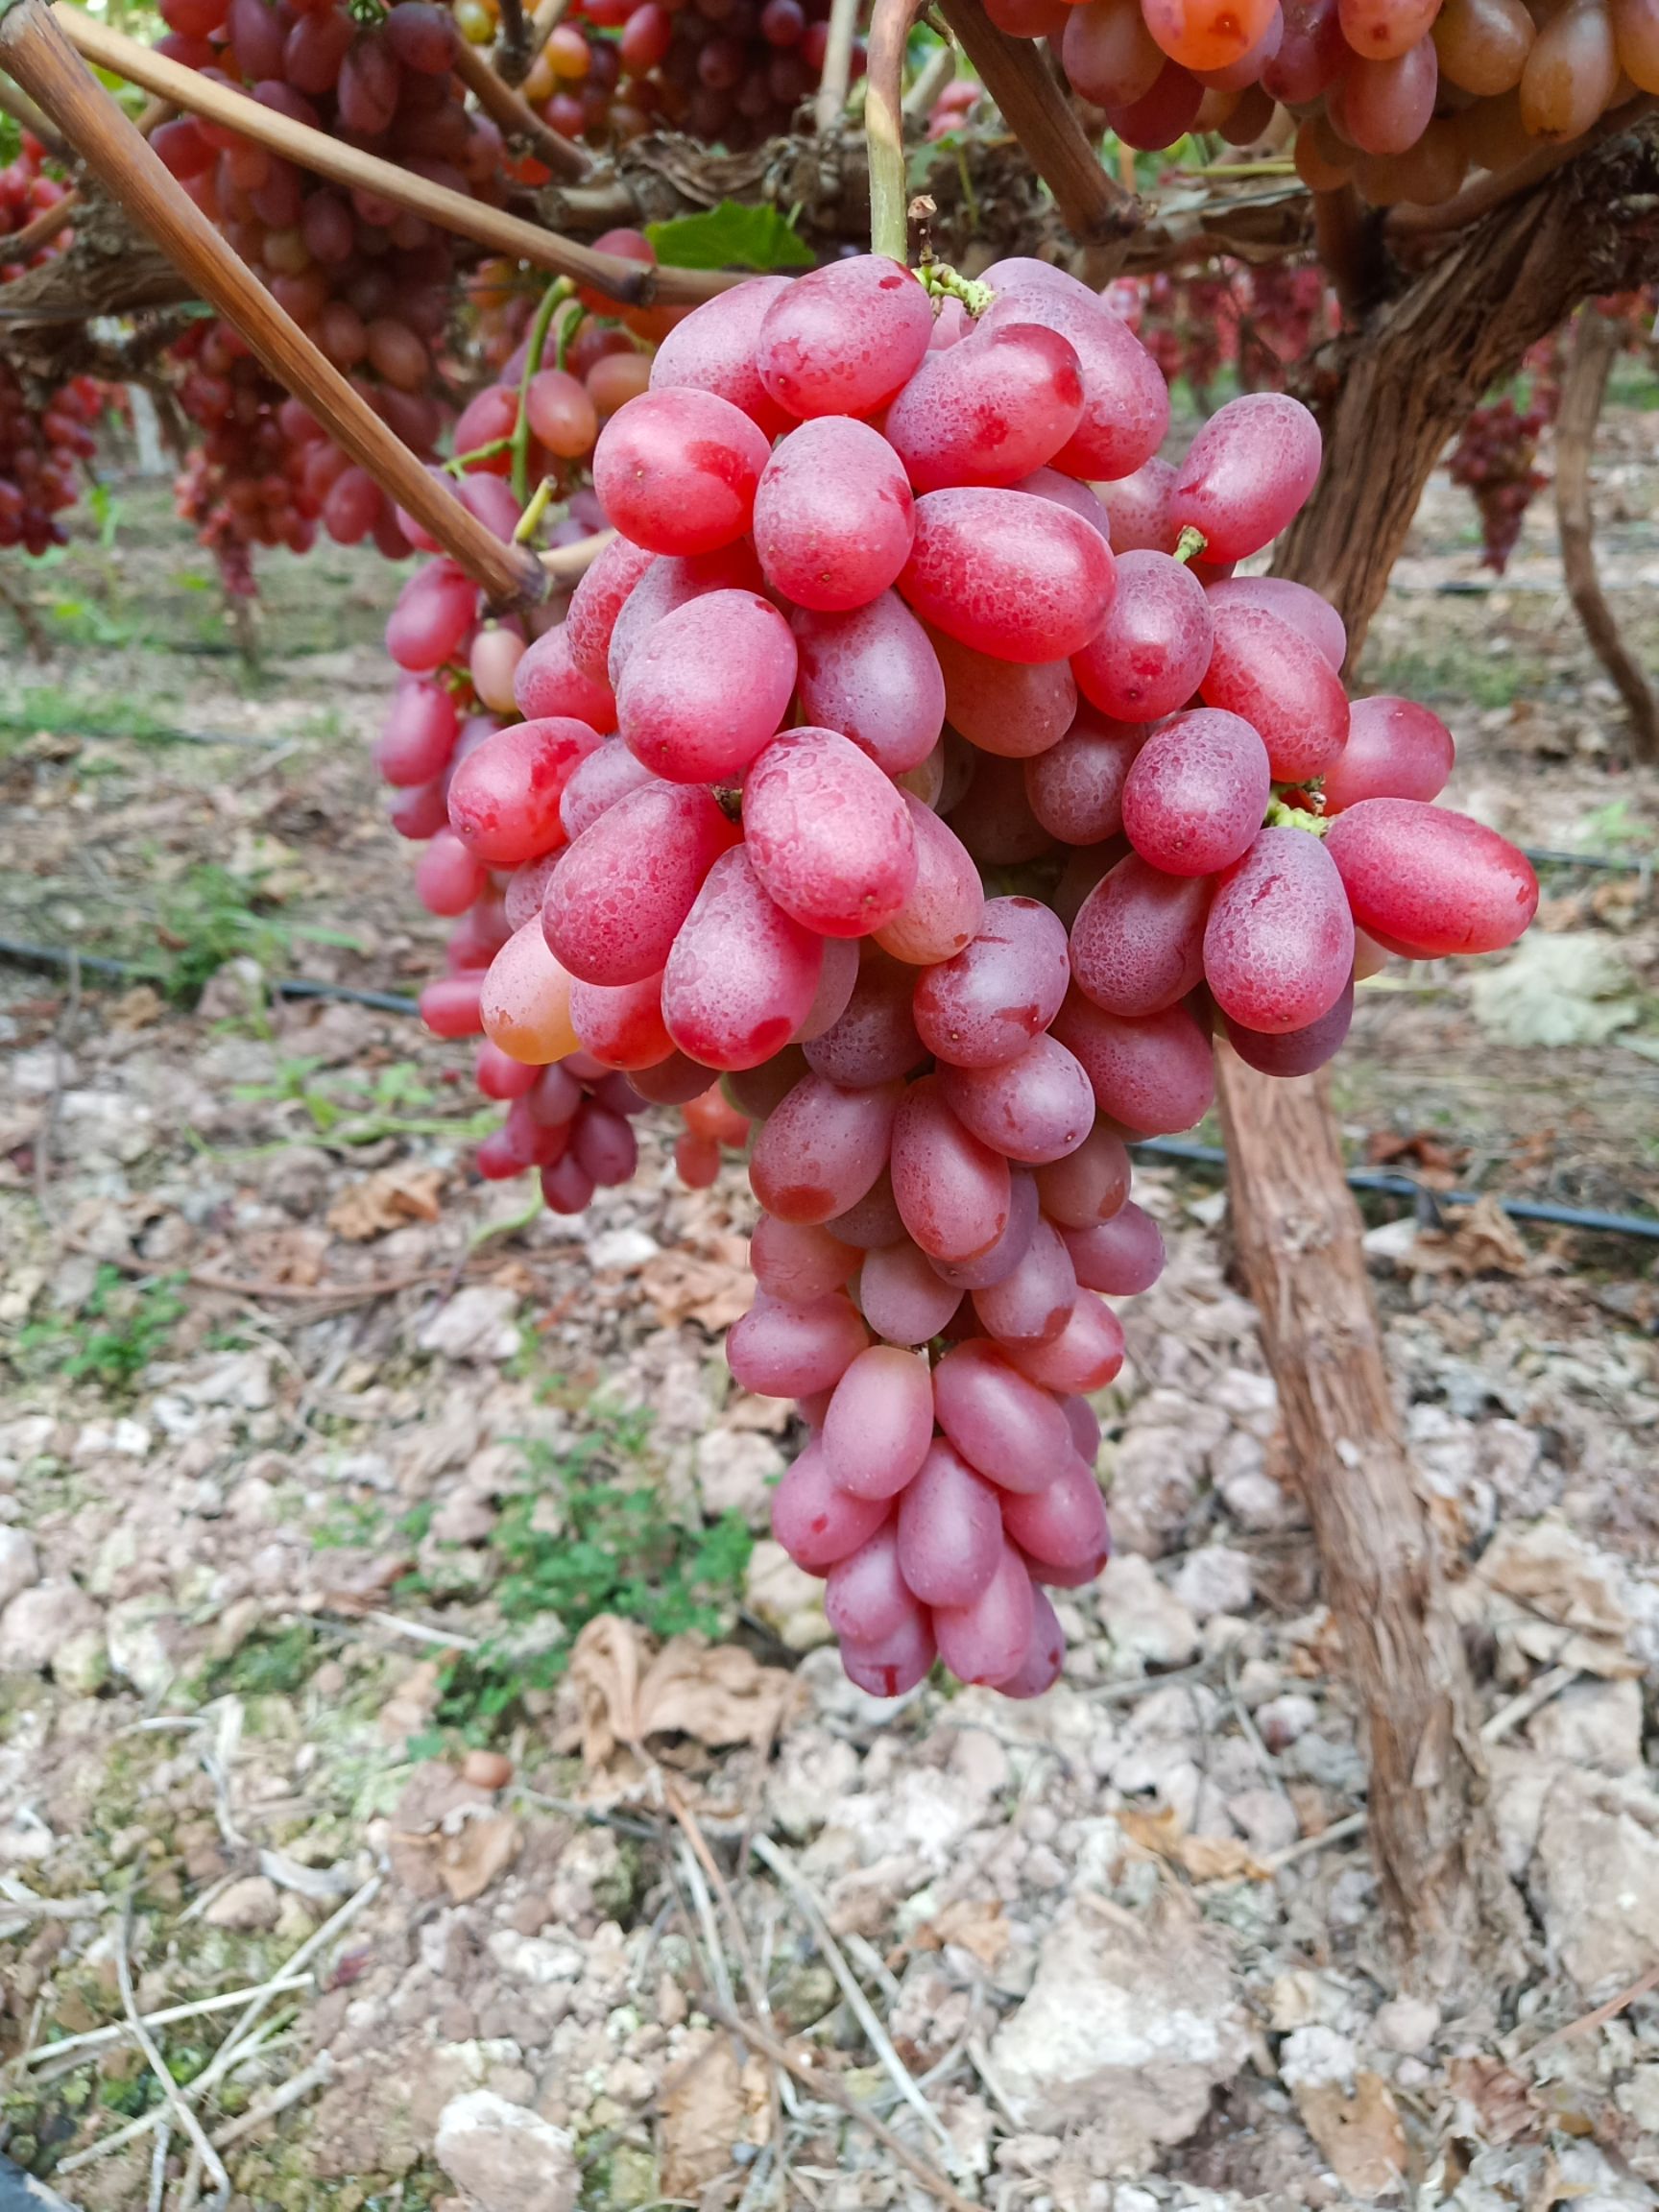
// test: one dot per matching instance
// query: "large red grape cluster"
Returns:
(1401, 98)
(728, 70)
(899, 763)
(46, 434)
(368, 281)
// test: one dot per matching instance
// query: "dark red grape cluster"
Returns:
(26, 192)
(371, 284)
(1256, 322)
(43, 443)
(1496, 459)
(728, 70)
(899, 764)
(46, 434)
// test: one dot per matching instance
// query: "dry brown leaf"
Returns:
(480, 1852)
(703, 2114)
(1201, 1858)
(714, 1292)
(385, 1200)
(716, 1693)
(1550, 1597)
(975, 1924)
(1499, 2106)
(1361, 2135)
(1221, 1859)
(1482, 1242)
(18, 1129)
(138, 1008)
(413, 1703)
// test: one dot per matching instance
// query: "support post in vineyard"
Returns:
(1395, 390)
(1592, 348)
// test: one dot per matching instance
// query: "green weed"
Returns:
(274, 1663)
(120, 1326)
(614, 1548)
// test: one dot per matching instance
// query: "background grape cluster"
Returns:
(47, 429)
(1404, 98)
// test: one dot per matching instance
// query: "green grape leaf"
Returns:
(730, 236)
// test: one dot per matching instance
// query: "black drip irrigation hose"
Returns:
(283, 986)
(1162, 1147)
(1423, 1194)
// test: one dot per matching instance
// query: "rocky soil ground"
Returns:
(402, 1706)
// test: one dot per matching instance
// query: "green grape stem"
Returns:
(946, 283)
(1279, 816)
(552, 299)
(1189, 545)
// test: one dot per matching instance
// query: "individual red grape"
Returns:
(1121, 1255)
(525, 1001)
(822, 1149)
(872, 675)
(1278, 944)
(1196, 792)
(1125, 400)
(865, 1597)
(892, 1665)
(1283, 686)
(1086, 1355)
(799, 1263)
(880, 1423)
(1246, 474)
(817, 1523)
(1033, 1302)
(985, 1005)
(987, 1640)
(715, 349)
(950, 1530)
(1035, 1108)
(989, 410)
(1294, 603)
(1154, 1075)
(1395, 750)
(504, 797)
(707, 687)
(827, 832)
(951, 1188)
(874, 1040)
(1075, 790)
(1292, 1051)
(677, 470)
(946, 903)
(1137, 942)
(1008, 574)
(1001, 707)
(596, 602)
(1003, 1426)
(1426, 882)
(742, 973)
(546, 681)
(623, 890)
(843, 338)
(833, 516)
(1147, 657)
(1063, 1524)
(901, 1296)
(1089, 1185)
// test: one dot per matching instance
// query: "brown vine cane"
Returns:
(34, 50)
(630, 282)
